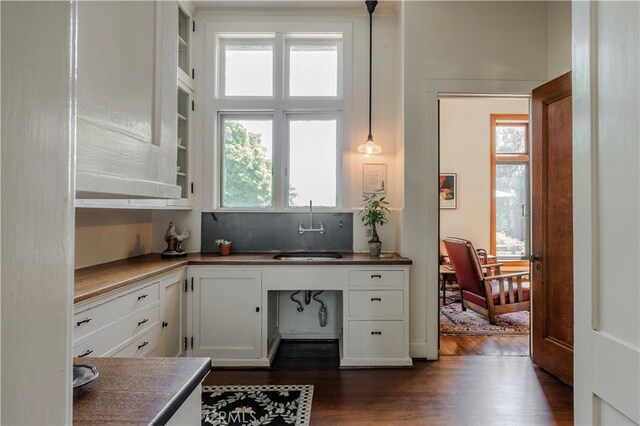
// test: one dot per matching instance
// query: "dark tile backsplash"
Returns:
(260, 232)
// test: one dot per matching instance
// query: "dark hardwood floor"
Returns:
(455, 390)
(484, 345)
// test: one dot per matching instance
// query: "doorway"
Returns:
(484, 199)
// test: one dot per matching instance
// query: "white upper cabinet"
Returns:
(126, 100)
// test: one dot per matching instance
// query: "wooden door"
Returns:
(552, 206)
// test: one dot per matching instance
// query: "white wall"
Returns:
(305, 325)
(38, 162)
(559, 38)
(487, 41)
(386, 107)
(105, 235)
(465, 139)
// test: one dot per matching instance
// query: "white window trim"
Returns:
(207, 89)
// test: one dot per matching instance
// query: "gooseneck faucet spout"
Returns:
(302, 229)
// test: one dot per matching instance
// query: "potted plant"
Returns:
(374, 213)
(225, 247)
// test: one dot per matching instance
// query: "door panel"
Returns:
(552, 273)
(606, 40)
(226, 315)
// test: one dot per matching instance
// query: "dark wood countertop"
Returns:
(138, 391)
(100, 279)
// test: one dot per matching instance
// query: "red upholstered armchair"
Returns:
(491, 295)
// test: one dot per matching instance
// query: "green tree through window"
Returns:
(248, 170)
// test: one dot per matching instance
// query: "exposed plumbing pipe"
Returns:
(307, 296)
(300, 308)
(322, 313)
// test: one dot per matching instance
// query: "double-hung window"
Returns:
(510, 186)
(279, 109)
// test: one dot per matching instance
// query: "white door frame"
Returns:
(434, 88)
(606, 365)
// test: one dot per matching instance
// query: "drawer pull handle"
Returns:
(83, 321)
(88, 352)
(142, 322)
(376, 299)
(142, 296)
(142, 345)
(376, 276)
(376, 333)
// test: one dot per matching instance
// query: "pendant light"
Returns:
(370, 147)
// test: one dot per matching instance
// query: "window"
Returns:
(247, 152)
(279, 108)
(510, 186)
(312, 160)
(248, 67)
(313, 68)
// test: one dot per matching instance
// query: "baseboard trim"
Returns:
(308, 336)
(418, 350)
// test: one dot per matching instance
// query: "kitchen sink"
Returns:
(310, 256)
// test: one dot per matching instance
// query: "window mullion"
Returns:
(279, 187)
(279, 163)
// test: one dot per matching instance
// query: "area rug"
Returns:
(456, 322)
(257, 405)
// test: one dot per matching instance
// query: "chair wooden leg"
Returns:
(492, 317)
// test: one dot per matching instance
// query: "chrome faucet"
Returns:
(302, 230)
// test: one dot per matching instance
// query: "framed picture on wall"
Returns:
(448, 191)
(374, 179)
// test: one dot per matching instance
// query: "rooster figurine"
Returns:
(174, 241)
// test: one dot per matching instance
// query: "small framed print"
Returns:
(374, 179)
(448, 191)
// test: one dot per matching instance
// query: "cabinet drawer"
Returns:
(376, 278)
(106, 342)
(387, 304)
(376, 339)
(92, 319)
(142, 346)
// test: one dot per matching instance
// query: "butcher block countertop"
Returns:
(100, 279)
(139, 391)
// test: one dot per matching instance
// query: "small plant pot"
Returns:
(375, 248)
(225, 249)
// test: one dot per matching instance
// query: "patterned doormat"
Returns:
(456, 322)
(257, 405)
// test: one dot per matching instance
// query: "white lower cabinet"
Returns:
(377, 327)
(225, 313)
(376, 339)
(144, 319)
(227, 317)
(173, 304)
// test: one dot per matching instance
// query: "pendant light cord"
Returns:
(371, 6)
(370, 66)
